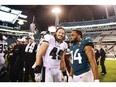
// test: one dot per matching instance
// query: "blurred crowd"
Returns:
(17, 59)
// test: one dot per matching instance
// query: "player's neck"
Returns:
(74, 42)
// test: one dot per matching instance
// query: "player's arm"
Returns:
(41, 51)
(91, 57)
(63, 67)
(64, 64)
(68, 65)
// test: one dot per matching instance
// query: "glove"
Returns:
(37, 73)
(70, 79)
(38, 77)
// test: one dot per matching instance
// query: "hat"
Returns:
(19, 39)
(23, 39)
(4, 37)
(43, 32)
(31, 37)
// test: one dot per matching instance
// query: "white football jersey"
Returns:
(3, 47)
(52, 57)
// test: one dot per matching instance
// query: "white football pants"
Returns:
(85, 77)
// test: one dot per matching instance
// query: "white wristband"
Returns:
(96, 80)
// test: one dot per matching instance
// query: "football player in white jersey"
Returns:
(3, 48)
(2, 60)
(52, 52)
(5, 45)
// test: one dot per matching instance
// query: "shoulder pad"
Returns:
(87, 42)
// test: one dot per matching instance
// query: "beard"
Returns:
(58, 40)
(74, 41)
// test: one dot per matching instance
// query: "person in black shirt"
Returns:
(102, 61)
(17, 61)
(97, 55)
(30, 57)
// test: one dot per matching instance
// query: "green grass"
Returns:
(111, 71)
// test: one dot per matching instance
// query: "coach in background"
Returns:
(16, 61)
(83, 58)
(97, 55)
(30, 57)
(102, 61)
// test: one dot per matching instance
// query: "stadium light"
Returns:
(23, 16)
(56, 11)
(8, 14)
(21, 21)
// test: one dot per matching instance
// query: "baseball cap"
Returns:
(23, 39)
(31, 37)
(4, 37)
(19, 39)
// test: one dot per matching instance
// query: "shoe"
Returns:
(103, 73)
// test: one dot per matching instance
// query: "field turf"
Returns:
(111, 71)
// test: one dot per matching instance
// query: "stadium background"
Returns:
(101, 31)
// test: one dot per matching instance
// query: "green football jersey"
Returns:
(80, 62)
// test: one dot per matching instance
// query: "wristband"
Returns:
(37, 69)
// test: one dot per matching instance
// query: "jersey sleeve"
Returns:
(47, 38)
(89, 42)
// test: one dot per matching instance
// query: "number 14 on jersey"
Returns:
(76, 56)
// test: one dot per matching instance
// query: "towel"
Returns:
(30, 47)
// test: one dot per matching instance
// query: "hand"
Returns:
(64, 79)
(38, 77)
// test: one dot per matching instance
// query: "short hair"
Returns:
(78, 32)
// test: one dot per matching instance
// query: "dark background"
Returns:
(69, 13)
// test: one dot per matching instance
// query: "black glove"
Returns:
(37, 69)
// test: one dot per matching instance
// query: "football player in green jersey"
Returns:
(83, 58)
